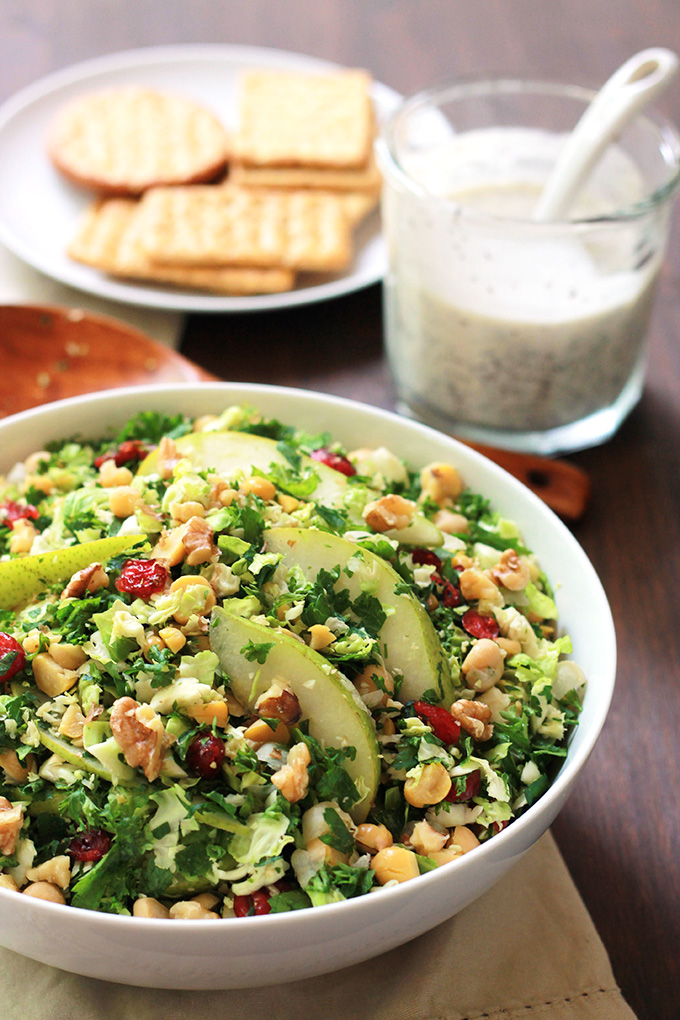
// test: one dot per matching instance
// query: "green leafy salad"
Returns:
(245, 671)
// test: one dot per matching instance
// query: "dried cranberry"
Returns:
(142, 578)
(90, 845)
(130, 449)
(334, 460)
(11, 511)
(12, 657)
(425, 557)
(450, 596)
(473, 782)
(443, 725)
(205, 755)
(254, 903)
(480, 626)
(499, 826)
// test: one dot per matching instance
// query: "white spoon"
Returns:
(638, 81)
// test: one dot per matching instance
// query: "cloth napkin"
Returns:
(22, 285)
(526, 950)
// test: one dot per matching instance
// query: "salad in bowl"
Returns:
(251, 668)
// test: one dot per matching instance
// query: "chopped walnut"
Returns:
(473, 717)
(168, 457)
(293, 779)
(198, 542)
(11, 820)
(279, 702)
(139, 733)
(511, 571)
(389, 512)
(88, 579)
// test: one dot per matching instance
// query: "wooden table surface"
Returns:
(620, 832)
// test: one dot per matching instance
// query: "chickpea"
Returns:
(50, 677)
(258, 486)
(373, 838)
(440, 482)
(123, 500)
(464, 838)
(21, 537)
(483, 665)
(320, 636)
(66, 655)
(7, 882)
(198, 584)
(509, 646)
(190, 910)
(395, 864)
(328, 854)
(183, 512)
(476, 585)
(445, 856)
(147, 906)
(211, 712)
(111, 477)
(366, 684)
(44, 891)
(429, 786)
(172, 638)
(450, 523)
(287, 503)
(260, 732)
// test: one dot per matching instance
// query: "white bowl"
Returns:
(286, 947)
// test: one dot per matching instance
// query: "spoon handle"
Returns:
(564, 487)
(638, 81)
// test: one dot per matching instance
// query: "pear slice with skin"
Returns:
(407, 638)
(336, 714)
(82, 759)
(24, 577)
(230, 452)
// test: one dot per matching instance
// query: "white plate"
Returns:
(39, 209)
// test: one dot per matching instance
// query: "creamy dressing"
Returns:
(506, 324)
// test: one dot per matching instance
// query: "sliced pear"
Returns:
(408, 639)
(112, 771)
(337, 716)
(28, 575)
(230, 452)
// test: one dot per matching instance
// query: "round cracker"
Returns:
(123, 141)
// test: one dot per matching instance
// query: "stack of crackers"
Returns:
(181, 203)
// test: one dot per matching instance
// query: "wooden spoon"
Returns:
(50, 353)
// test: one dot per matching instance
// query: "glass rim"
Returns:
(386, 149)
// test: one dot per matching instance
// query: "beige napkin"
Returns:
(22, 285)
(527, 950)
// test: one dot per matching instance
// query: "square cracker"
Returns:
(366, 178)
(108, 238)
(292, 119)
(213, 226)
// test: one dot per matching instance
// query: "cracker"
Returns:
(291, 119)
(365, 178)
(358, 205)
(234, 226)
(108, 238)
(123, 141)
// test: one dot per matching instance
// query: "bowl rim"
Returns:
(510, 840)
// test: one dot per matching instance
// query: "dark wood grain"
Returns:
(620, 832)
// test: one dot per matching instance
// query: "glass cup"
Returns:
(500, 328)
